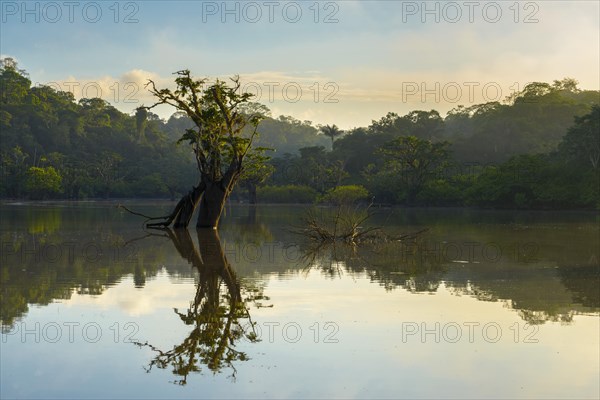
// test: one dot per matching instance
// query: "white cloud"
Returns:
(374, 64)
(157, 293)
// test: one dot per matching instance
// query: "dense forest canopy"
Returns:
(537, 149)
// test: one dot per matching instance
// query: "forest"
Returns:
(538, 149)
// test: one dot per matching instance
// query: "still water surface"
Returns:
(484, 304)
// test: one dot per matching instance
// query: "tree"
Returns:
(422, 124)
(581, 144)
(14, 171)
(43, 181)
(317, 170)
(256, 172)
(288, 134)
(14, 82)
(349, 194)
(331, 131)
(107, 168)
(416, 160)
(141, 120)
(217, 139)
(567, 84)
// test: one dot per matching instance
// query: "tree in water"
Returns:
(220, 140)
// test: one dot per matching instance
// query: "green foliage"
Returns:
(533, 121)
(43, 182)
(581, 145)
(348, 194)
(257, 169)
(286, 134)
(314, 168)
(150, 186)
(442, 192)
(510, 185)
(216, 139)
(14, 170)
(539, 149)
(415, 161)
(331, 131)
(287, 194)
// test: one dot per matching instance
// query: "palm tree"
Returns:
(331, 131)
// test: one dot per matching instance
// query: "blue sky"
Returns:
(362, 59)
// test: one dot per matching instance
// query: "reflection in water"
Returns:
(583, 283)
(40, 268)
(391, 264)
(45, 220)
(91, 259)
(218, 313)
(85, 251)
(536, 291)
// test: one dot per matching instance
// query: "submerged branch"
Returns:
(163, 224)
(347, 227)
(137, 213)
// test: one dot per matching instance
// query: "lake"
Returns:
(483, 304)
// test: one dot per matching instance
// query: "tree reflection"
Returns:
(406, 263)
(218, 313)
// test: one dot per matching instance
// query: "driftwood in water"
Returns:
(347, 226)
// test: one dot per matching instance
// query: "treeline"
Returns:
(53, 147)
(538, 149)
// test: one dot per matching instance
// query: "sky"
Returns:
(330, 62)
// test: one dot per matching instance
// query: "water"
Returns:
(484, 304)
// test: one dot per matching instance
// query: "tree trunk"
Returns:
(183, 211)
(211, 205)
(187, 206)
(210, 194)
(215, 195)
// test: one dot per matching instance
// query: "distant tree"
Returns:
(14, 171)
(567, 84)
(42, 182)
(141, 120)
(108, 171)
(581, 144)
(287, 134)
(331, 131)
(424, 124)
(318, 170)
(348, 194)
(256, 171)
(358, 147)
(14, 82)
(415, 161)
